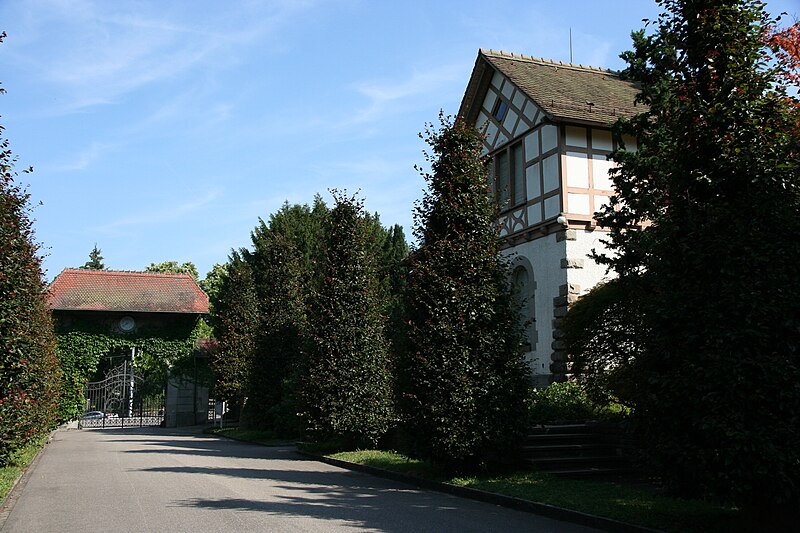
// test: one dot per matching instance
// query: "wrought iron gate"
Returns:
(122, 400)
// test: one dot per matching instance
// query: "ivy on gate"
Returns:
(160, 351)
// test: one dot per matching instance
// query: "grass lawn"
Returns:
(619, 501)
(21, 459)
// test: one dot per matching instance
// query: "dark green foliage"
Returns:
(303, 226)
(95, 261)
(173, 267)
(605, 332)
(462, 379)
(277, 357)
(567, 402)
(716, 176)
(392, 252)
(236, 324)
(347, 386)
(30, 374)
(285, 267)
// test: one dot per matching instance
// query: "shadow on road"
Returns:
(317, 491)
(192, 441)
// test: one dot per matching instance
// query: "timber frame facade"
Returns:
(547, 129)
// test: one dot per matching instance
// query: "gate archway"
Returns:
(118, 401)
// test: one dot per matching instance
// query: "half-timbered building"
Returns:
(547, 130)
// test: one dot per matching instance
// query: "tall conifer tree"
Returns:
(278, 354)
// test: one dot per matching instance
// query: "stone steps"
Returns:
(577, 450)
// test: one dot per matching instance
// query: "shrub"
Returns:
(604, 333)
(569, 402)
(560, 402)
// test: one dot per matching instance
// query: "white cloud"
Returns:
(84, 158)
(95, 53)
(384, 94)
(169, 213)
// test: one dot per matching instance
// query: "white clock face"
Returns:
(127, 324)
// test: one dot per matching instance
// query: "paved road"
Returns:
(165, 480)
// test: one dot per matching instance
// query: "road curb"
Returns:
(542, 509)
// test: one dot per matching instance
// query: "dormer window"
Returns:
(500, 110)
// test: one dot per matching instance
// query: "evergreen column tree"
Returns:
(95, 261)
(278, 354)
(462, 379)
(236, 324)
(347, 388)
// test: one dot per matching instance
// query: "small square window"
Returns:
(500, 110)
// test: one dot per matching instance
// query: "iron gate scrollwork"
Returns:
(121, 400)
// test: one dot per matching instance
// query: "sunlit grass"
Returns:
(616, 500)
(396, 462)
(20, 460)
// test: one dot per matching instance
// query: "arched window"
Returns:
(523, 289)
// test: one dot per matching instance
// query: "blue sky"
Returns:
(163, 130)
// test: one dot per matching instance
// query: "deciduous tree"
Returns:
(173, 267)
(30, 374)
(237, 324)
(704, 227)
(462, 379)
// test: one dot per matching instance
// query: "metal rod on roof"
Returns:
(570, 45)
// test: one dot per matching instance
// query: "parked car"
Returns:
(93, 415)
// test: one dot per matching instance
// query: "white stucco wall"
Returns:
(544, 255)
(547, 259)
(592, 273)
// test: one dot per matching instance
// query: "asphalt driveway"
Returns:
(152, 479)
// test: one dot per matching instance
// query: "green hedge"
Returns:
(30, 376)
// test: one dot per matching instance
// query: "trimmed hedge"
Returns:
(30, 375)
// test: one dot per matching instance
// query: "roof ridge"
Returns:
(543, 60)
(112, 271)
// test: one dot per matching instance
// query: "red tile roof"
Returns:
(108, 290)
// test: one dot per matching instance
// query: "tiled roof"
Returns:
(563, 91)
(108, 290)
